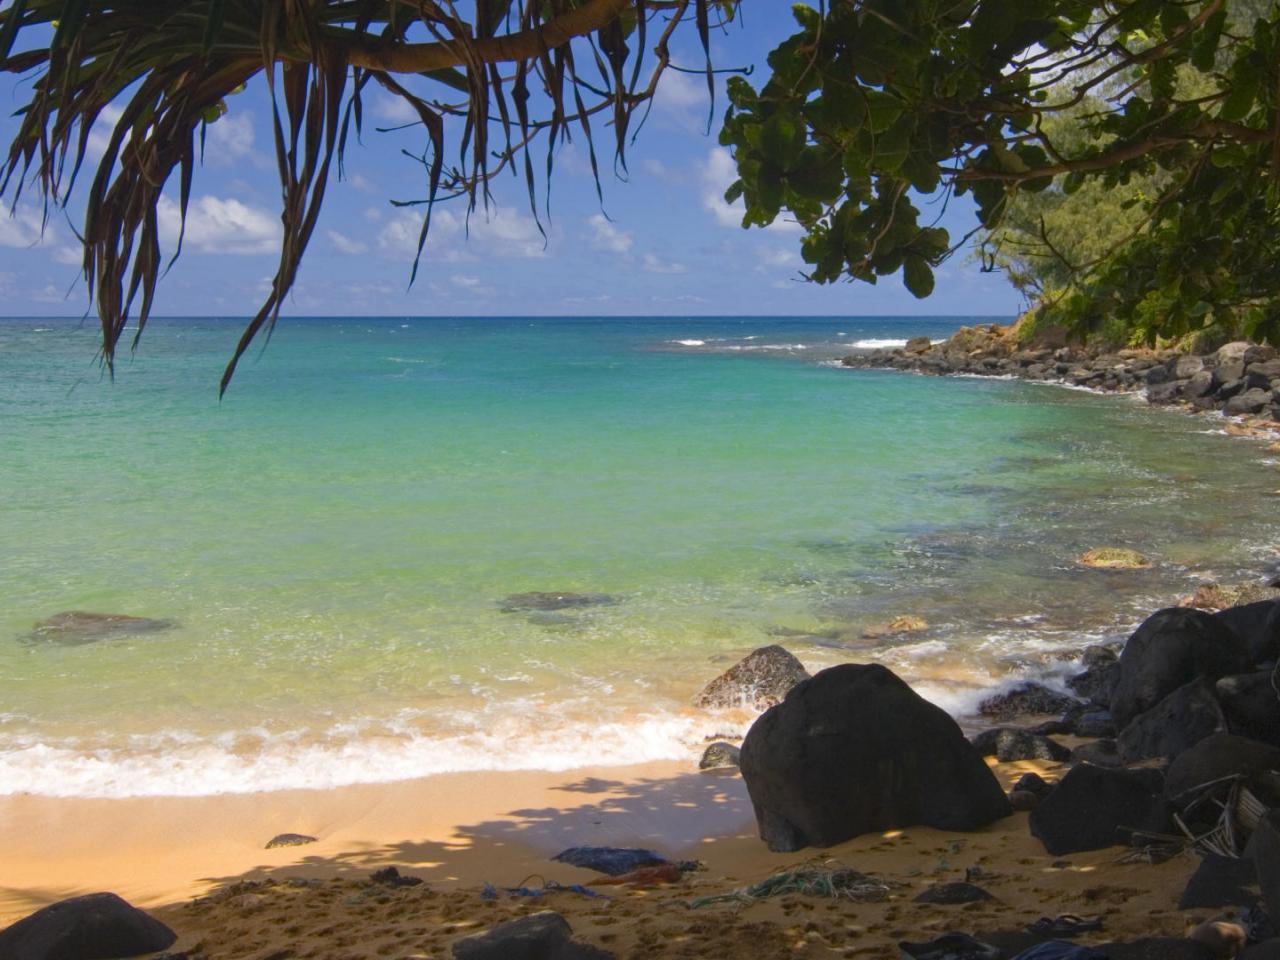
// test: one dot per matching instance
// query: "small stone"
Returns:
(289, 840)
(1114, 558)
(898, 625)
(719, 756)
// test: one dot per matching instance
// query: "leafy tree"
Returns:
(1169, 104)
(500, 74)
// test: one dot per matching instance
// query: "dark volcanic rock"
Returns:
(854, 749)
(1249, 401)
(1157, 948)
(1218, 756)
(1267, 950)
(1252, 705)
(1094, 807)
(759, 680)
(1094, 723)
(551, 600)
(1096, 683)
(1032, 783)
(1007, 744)
(1258, 625)
(539, 936)
(100, 926)
(1221, 882)
(1265, 846)
(1026, 699)
(952, 893)
(1176, 723)
(1101, 753)
(719, 755)
(1170, 649)
(75, 627)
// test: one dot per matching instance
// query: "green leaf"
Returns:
(917, 275)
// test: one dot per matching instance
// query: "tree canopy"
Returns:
(877, 113)
(873, 106)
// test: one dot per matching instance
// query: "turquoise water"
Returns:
(335, 539)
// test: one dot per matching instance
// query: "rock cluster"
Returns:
(1240, 378)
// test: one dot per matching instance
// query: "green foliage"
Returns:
(1123, 155)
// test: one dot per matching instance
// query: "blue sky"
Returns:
(664, 244)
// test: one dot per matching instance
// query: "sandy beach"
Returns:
(199, 864)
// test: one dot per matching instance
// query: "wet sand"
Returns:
(200, 865)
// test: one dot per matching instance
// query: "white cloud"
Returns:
(775, 257)
(471, 285)
(215, 225)
(682, 91)
(608, 237)
(718, 173)
(100, 133)
(346, 244)
(22, 228)
(654, 264)
(452, 239)
(229, 138)
(71, 256)
(394, 110)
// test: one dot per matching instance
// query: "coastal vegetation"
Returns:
(1155, 118)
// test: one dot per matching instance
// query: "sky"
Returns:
(663, 243)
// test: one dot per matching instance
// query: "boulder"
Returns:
(1267, 369)
(1033, 783)
(854, 750)
(759, 680)
(1253, 400)
(1265, 846)
(1221, 882)
(1218, 756)
(917, 345)
(1176, 723)
(1096, 683)
(1094, 723)
(1171, 648)
(1257, 624)
(75, 627)
(718, 756)
(1251, 705)
(1188, 367)
(1007, 744)
(99, 926)
(1113, 558)
(1026, 699)
(1100, 753)
(1099, 654)
(1200, 385)
(1266, 950)
(1232, 352)
(1094, 807)
(1162, 392)
(1230, 388)
(539, 936)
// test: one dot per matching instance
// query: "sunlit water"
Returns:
(335, 539)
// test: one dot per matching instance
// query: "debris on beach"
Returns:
(813, 878)
(613, 861)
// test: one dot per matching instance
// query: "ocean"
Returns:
(335, 542)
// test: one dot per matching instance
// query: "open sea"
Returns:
(334, 541)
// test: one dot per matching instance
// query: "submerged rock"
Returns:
(896, 626)
(552, 600)
(1171, 648)
(759, 680)
(855, 750)
(92, 927)
(1026, 699)
(1113, 558)
(74, 627)
(1094, 807)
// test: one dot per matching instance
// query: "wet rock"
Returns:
(1008, 744)
(855, 750)
(1251, 705)
(1171, 648)
(289, 840)
(1099, 654)
(1175, 724)
(1096, 683)
(1218, 756)
(1256, 622)
(75, 627)
(759, 680)
(1026, 699)
(539, 936)
(1094, 807)
(896, 626)
(1221, 882)
(718, 756)
(1095, 723)
(953, 893)
(94, 927)
(552, 600)
(1113, 558)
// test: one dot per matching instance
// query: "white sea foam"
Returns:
(178, 763)
(875, 344)
(690, 343)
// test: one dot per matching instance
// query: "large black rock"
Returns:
(1174, 725)
(1213, 758)
(1265, 847)
(1095, 807)
(1258, 625)
(853, 750)
(1251, 705)
(540, 936)
(1170, 649)
(99, 926)
(1221, 882)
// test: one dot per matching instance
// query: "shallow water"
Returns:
(336, 538)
